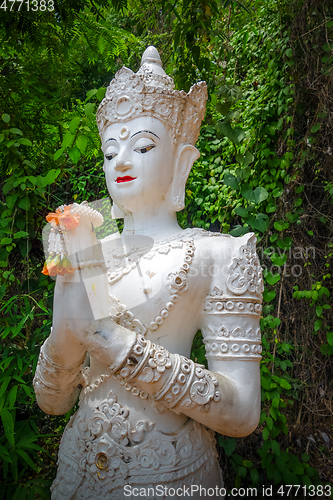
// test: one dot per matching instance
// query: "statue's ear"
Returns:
(186, 156)
(116, 212)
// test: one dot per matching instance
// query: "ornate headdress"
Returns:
(151, 92)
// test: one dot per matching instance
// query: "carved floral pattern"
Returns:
(246, 272)
(233, 344)
(100, 454)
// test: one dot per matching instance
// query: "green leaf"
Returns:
(24, 141)
(315, 128)
(330, 338)
(89, 108)
(223, 108)
(239, 230)
(269, 295)
(5, 117)
(260, 194)
(74, 154)
(51, 176)
(5, 241)
(8, 425)
(11, 398)
(271, 207)
(259, 222)
(247, 192)
(245, 159)
(24, 203)
(317, 324)
(269, 422)
(101, 44)
(281, 225)
(277, 192)
(272, 278)
(231, 93)
(75, 122)
(67, 140)
(231, 180)
(285, 384)
(289, 53)
(58, 153)
(4, 453)
(26, 458)
(81, 143)
(91, 93)
(265, 433)
(101, 93)
(279, 260)
(241, 211)
(275, 448)
(229, 445)
(242, 471)
(236, 135)
(248, 464)
(254, 476)
(248, 158)
(4, 385)
(16, 131)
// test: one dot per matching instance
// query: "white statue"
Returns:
(144, 405)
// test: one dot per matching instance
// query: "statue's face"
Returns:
(139, 163)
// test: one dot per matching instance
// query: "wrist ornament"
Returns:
(188, 384)
(51, 377)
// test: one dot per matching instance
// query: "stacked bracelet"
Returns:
(48, 374)
(188, 385)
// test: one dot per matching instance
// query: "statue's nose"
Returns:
(122, 162)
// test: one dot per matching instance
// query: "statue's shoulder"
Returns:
(221, 244)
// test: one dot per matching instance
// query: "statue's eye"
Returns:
(110, 156)
(144, 149)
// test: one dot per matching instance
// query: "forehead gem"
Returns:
(124, 133)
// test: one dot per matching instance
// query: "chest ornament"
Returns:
(177, 284)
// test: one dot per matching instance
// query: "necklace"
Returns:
(177, 284)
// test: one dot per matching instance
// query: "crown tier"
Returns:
(150, 92)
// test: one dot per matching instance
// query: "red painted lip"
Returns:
(126, 178)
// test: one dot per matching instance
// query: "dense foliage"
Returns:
(265, 166)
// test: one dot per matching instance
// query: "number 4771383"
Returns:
(28, 5)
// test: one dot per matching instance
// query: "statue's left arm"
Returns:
(226, 397)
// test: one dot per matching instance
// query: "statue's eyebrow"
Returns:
(111, 139)
(146, 131)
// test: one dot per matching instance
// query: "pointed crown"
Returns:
(151, 92)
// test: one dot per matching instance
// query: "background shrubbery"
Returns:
(266, 166)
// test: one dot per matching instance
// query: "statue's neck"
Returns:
(158, 224)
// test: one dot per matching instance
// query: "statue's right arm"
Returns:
(58, 376)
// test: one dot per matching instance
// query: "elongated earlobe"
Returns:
(186, 156)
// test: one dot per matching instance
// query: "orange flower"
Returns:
(66, 267)
(46, 264)
(64, 217)
(54, 266)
